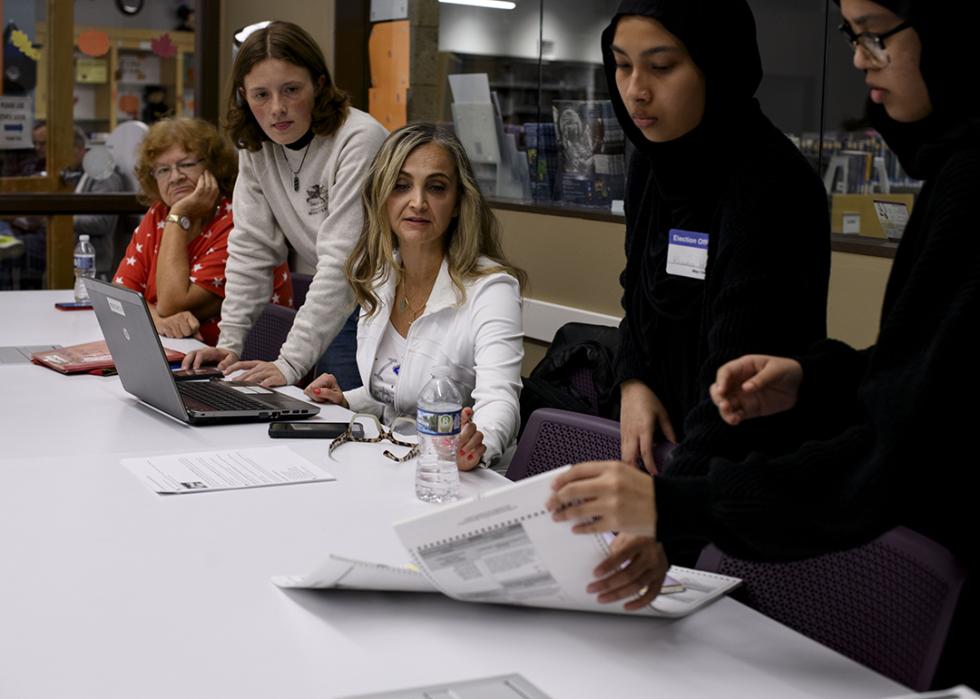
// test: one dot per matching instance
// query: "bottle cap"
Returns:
(83, 238)
(441, 370)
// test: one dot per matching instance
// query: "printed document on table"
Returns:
(503, 547)
(513, 686)
(346, 573)
(229, 469)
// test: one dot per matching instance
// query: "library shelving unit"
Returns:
(108, 90)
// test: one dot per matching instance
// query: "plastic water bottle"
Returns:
(84, 267)
(440, 410)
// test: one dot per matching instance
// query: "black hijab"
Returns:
(720, 37)
(948, 30)
(677, 184)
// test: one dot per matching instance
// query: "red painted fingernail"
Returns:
(470, 455)
(316, 390)
(461, 452)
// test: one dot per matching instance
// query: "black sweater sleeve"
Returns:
(901, 460)
(767, 294)
(630, 360)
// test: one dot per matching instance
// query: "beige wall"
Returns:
(315, 16)
(857, 288)
(576, 262)
(570, 261)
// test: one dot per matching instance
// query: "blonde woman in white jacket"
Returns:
(434, 290)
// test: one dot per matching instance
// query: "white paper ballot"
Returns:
(504, 548)
(349, 573)
(512, 686)
(203, 471)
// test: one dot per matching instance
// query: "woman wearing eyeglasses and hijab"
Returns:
(176, 257)
(894, 430)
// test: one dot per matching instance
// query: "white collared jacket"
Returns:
(481, 340)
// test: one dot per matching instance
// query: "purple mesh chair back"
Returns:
(887, 604)
(580, 379)
(268, 333)
(553, 438)
(301, 284)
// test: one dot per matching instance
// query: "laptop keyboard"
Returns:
(216, 398)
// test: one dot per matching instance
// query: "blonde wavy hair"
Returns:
(472, 234)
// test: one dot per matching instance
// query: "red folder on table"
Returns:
(90, 357)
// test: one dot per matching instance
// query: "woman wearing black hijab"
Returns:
(902, 445)
(727, 234)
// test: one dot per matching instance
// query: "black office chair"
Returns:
(301, 284)
(265, 339)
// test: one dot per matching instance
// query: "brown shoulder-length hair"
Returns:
(291, 43)
(195, 136)
(473, 232)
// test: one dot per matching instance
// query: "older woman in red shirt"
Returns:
(177, 255)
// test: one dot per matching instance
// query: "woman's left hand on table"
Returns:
(471, 446)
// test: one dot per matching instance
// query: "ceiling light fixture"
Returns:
(492, 4)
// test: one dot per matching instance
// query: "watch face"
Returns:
(181, 221)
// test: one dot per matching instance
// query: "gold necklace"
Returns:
(405, 306)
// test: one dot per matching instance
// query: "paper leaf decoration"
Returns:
(163, 46)
(93, 43)
(129, 104)
(21, 41)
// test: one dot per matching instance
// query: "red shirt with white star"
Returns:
(206, 255)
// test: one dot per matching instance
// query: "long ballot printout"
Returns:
(503, 547)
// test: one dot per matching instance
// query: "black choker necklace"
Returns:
(296, 173)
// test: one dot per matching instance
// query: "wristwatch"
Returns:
(181, 221)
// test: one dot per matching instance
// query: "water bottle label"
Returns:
(84, 262)
(440, 424)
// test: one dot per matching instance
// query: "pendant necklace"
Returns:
(296, 173)
(406, 306)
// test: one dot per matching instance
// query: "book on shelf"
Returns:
(503, 547)
(89, 357)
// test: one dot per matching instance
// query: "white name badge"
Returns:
(687, 253)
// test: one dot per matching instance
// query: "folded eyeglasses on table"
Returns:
(365, 427)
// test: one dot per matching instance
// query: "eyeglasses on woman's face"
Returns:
(187, 168)
(872, 44)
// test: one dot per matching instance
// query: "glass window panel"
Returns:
(23, 138)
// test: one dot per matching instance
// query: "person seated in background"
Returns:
(891, 427)
(32, 230)
(177, 255)
(435, 290)
(100, 228)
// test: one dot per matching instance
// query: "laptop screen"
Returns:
(135, 346)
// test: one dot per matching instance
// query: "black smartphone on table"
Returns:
(311, 430)
(73, 306)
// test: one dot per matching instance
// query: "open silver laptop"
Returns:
(145, 373)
